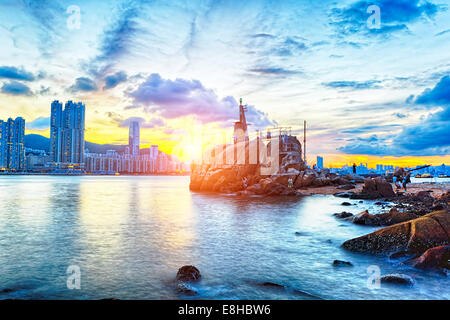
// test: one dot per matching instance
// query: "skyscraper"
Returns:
(12, 155)
(67, 133)
(134, 139)
(319, 162)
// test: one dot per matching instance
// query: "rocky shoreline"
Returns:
(415, 226)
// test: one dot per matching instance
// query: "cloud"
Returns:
(274, 71)
(117, 37)
(16, 88)
(39, 124)
(431, 136)
(15, 73)
(181, 98)
(395, 15)
(83, 84)
(372, 145)
(114, 79)
(152, 123)
(439, 95)
(357, 85)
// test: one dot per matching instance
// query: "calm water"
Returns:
(129, 235)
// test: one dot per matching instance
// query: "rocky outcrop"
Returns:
(421, 203)
(383, 219)
(415, 236)
(205, 178)
(188, 274)
(434, 258)
(375, 188)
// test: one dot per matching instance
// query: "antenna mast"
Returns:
(304, 141)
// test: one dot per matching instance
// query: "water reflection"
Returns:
(129, 235)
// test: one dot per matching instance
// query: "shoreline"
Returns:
(437, 189)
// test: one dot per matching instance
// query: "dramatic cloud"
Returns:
(113, 80)
(39, 124)
(395, 15)
(15, 73)
(16, 88)
(180, 98)
(83, 84)
(357, 85)
(439, 95)
(152, 123)
(117, 37)
(428, 137)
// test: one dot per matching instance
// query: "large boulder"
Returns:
(434, 258)
(415, 236)
(376, 188)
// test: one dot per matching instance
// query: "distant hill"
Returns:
(35, 141)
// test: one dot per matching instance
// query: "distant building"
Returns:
(67, 134)
(154, 152)
(12, 154)
(134, 138)
(319, 162)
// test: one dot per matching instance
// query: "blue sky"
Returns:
(380, 92)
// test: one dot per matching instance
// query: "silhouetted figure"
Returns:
(354, 168)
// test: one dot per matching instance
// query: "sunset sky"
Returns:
(375, 95)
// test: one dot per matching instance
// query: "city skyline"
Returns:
(174, 68)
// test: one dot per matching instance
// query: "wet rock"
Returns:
(399, 254)
(397, 278)
(415, 236)
(434, 258)
(186, 289)
(341, 263)
(346, 203)
(344, 194)
(188, 274)
(343, 215)
(384, 219)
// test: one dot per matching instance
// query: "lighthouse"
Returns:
(241, 139)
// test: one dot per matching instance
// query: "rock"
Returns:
(344, 194)
(415, 236)
(434, 258)
(400, 254)
(384, 219)
(397, 278)
(188, 274)
(346, 203)
(375, 188)
(341, 263)
(421, 195)
(186, 289)
(346, 187)
(343, 215)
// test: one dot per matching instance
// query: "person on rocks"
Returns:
(244, 182)
(399, 173)
(406, 179)
(290, 183)
(354, 168)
